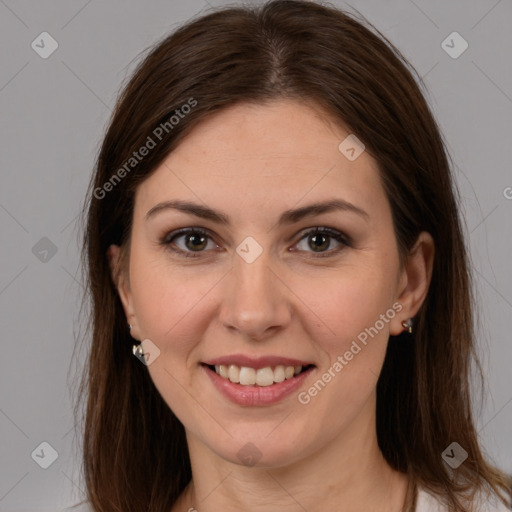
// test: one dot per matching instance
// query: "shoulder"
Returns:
(427, 502)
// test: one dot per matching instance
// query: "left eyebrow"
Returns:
(292, 216)
(287, 217)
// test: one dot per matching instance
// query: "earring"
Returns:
(138, 351)
(408, 325)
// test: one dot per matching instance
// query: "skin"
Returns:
(252, 162)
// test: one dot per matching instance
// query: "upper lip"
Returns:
(256, 362)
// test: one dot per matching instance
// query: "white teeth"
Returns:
(234, 373)
(261, 377)
(264, 376)
(247, 376)
(279, 373)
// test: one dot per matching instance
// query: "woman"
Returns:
(273, 228)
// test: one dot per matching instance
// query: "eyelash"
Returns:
(167, 240)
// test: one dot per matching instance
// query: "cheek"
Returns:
(171, 311)
(350, 326)
(346, 304)
(169, 302)
(354, 345)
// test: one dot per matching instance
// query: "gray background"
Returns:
(54, 112)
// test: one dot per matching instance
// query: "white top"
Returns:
(426, 502)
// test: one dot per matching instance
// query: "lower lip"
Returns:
(256, 395)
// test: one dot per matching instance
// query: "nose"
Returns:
(255, 299)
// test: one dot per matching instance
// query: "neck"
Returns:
(347, 473)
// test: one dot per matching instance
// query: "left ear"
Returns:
(414, 280)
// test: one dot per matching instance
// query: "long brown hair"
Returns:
(134, 449)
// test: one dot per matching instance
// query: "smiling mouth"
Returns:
(262, 377)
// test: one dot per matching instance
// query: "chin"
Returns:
(261, 452)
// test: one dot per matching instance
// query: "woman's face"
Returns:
(256, 285)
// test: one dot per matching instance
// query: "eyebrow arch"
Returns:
(287, 217)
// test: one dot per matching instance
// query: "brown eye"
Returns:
(193, 240)
(320, 239)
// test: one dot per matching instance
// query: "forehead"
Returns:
(270, 156)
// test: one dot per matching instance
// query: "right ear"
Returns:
(122, 284)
